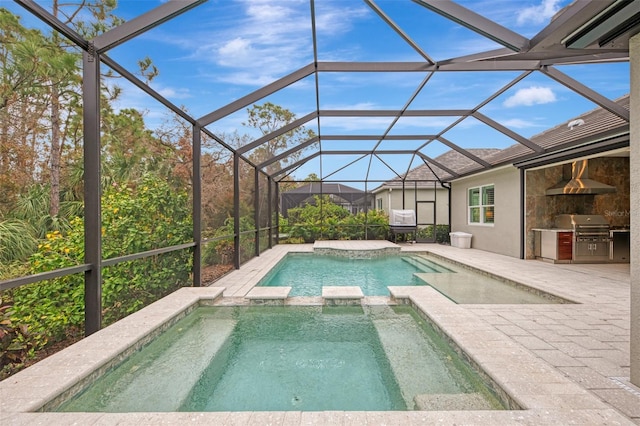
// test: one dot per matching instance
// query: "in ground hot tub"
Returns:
(295, 358)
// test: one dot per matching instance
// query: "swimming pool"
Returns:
(306, 274)
(33, 395)
(304, 358)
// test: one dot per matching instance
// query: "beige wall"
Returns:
(393, 200)
(504, 236)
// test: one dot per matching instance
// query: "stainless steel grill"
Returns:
(590, 236)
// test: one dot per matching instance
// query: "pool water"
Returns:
(307, 273)
(466, 286)
(302, 358)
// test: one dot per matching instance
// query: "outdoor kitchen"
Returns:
(578, 212)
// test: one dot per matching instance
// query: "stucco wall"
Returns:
(504, 236)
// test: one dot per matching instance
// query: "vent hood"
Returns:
(576, 181)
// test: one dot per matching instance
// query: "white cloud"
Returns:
(334, 21)
(247, 79)
(534, 95)
(430, 123)
(267, 12)
(364, 125)
(236, 52)
(354, 106)
(517, 123)
(268, 38)
(538, 14)
(174, 93)
(271, 38)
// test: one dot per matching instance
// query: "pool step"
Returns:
(165, 377)
(268, 295)
(342, 295)
(452, 402)
(417, 365)
(425, 265)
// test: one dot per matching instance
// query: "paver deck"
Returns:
(567, 363)
(588, 341)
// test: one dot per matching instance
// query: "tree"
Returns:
(40, 99)
(30, 64)
(129, 149)
(64, 94)
(268, 118)
(312, 177)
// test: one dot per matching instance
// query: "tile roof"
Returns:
(595, 124)
(451, 159)
(592, 126)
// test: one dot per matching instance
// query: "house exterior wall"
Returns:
(388, 200)
(503, 236)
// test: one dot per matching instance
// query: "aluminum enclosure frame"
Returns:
(536, 55)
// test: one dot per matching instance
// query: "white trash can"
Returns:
(460, 239)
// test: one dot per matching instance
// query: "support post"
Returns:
(634, 143)
(366, 212)
(277, 213)
(270, 210)
(523, 206)
(256, 210)
(236, 210)
(92, 192)
(323, 223)
(196, 187)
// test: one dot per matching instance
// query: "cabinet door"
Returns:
(600, 249)
(565, 245)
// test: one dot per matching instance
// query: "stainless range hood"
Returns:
(576, 181)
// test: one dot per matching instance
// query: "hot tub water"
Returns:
(304, 358)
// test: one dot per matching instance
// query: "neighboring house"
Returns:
(421, 189)
(501, 207)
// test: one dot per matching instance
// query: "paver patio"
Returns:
(567, 363)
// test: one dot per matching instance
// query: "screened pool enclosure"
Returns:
(415, 95)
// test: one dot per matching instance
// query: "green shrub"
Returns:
(283, 224)
(221, 252)
(17, 346)
(377, 225)
(148, 216)
(441, 233)
(326, 220)
(16, 241)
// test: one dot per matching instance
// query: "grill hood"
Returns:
(576, 181)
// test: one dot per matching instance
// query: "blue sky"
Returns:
(226, 49)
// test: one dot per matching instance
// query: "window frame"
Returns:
(482, 207)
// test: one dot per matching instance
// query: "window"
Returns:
(481, 205)
(379, 202)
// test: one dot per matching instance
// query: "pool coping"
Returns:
(545, 395)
